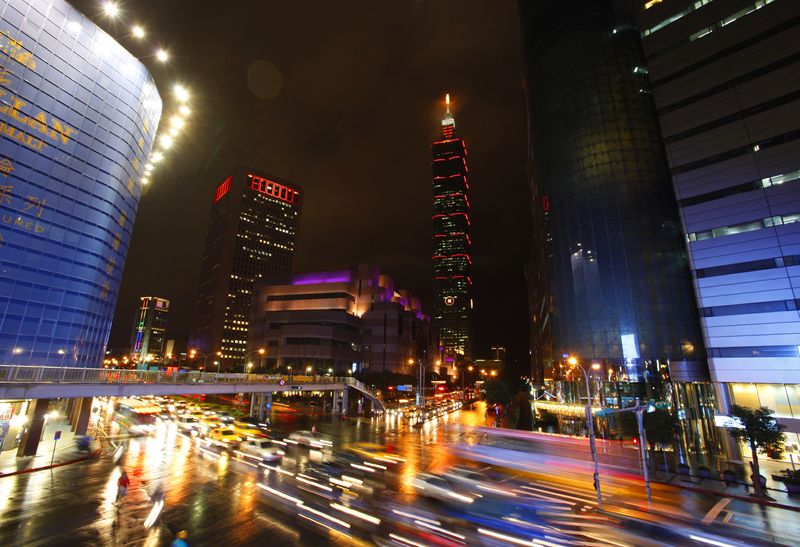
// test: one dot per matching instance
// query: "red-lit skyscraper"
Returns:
(451, 244)
(251, 235)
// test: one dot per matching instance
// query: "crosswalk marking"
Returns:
(715, 511)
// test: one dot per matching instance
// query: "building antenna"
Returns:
(447, 102)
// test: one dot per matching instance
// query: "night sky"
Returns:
(343, 98)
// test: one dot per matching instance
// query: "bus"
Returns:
(136, 415)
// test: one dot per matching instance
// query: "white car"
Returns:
(262, 449)
(433, 487)
(309, 439)
(187, 423)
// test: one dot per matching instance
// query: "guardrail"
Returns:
(19, 375)
(70, 375)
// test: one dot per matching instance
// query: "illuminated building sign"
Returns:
(78, 115)
(222, 189)
(274, 189)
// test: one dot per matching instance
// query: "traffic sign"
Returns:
(57, 435)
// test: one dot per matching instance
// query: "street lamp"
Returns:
(308, 370)
(590, 424)
(193, 353)
(245, 364)
(289, 368)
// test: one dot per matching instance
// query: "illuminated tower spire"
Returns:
(451, 244)
(448, 123)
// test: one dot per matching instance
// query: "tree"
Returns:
(660, 427)
(762, 432)
(496, 392)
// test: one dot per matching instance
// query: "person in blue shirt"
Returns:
(180, 539)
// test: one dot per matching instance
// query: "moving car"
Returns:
(375, 452)
(261, 449)
(309, 439)
(224, 435)
(437, 488)
(245, 429)
(187, 423)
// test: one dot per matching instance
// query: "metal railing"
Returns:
(23, 374)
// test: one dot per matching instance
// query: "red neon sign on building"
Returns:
(222, 189)
(274, 189)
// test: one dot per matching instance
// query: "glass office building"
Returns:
(78, 114)
(726, 82)
(611, 283)
(147, 334)
(251, 235)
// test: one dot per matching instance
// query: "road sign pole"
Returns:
(592, 443)
(55, 442)
(642, 442)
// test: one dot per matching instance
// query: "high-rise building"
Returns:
(339, 322)
(726, 81)
(251, 234)
(451, 244)
(147, 335)
(78, 116)
(611, 282)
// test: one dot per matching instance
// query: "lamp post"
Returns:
(590, 425)
(245, 364)
(194, 353)
(289, 368)
(640, 410)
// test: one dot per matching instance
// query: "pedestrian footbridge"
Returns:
(41, 382)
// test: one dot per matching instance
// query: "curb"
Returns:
(732, 496)
(91, 455)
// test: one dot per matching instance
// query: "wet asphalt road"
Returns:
(216, 499)
(219, 501)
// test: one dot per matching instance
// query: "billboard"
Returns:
(78, 116)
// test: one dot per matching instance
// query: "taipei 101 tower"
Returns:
(451, 244)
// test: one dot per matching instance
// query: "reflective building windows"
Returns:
(613, 284)
(78, 115)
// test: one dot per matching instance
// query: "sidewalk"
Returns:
(743, 487)
(65, 451)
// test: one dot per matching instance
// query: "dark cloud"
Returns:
(345, 99)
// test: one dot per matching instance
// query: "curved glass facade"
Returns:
(614, 266)
(78, 115)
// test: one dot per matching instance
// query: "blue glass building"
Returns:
(78, 115)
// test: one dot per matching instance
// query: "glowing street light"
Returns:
(177, 122)
(162, 55)
(167, 141)
(111, 9)
(138, 32)
(181, 93)
(185, 110)
(590, 424)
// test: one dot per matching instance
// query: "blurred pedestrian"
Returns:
(180, 539)
(314, 428)
(122, 485)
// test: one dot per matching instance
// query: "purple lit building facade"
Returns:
(338, 322)
(251, 234)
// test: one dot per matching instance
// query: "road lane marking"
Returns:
(715, 511)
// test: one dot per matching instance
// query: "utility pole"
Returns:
(643, 446)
